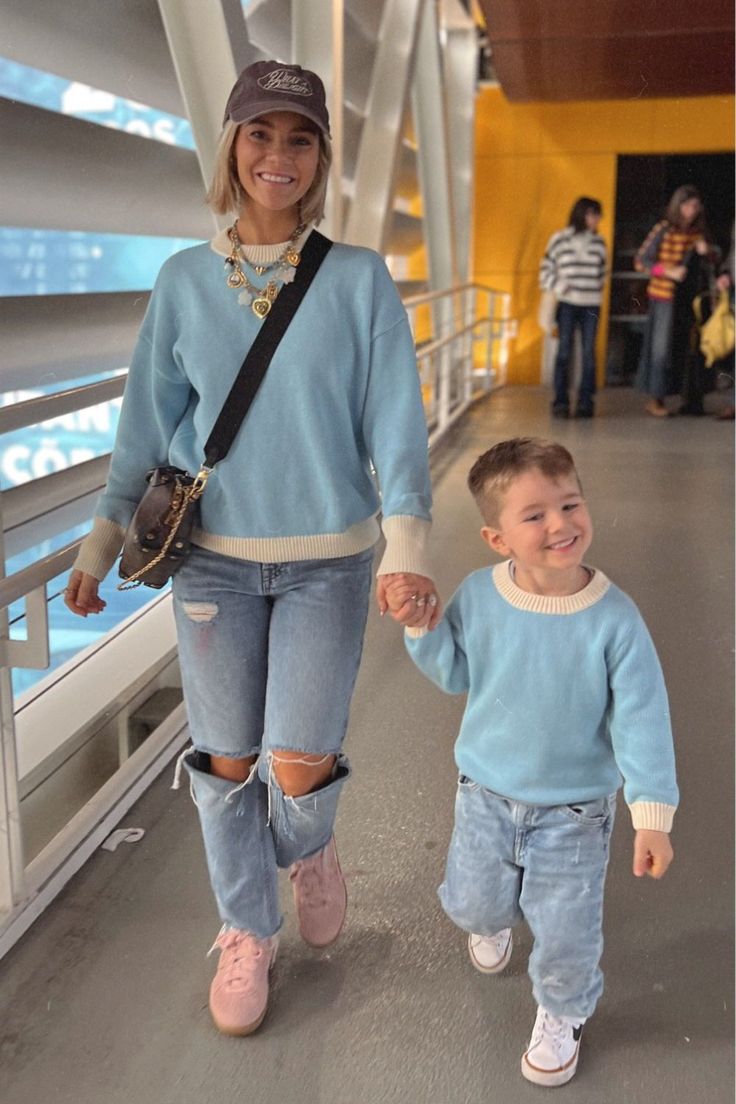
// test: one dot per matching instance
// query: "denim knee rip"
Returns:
(302, 823)
(340, 769)
(202, 613)
(237, 786)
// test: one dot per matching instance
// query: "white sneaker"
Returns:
(490, 953)
(552, 1055)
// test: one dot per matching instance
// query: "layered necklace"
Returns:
(282, 271)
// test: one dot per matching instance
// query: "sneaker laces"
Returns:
(241, 952)
(309, 876)
(499, 941)
(552, 1027)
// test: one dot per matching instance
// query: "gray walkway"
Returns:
(105, 998)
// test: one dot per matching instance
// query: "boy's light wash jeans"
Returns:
(545, 864)
(269, 654)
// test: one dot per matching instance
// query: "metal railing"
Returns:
(462, 337)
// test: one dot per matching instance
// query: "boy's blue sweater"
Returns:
(342, 389)
(565, 695)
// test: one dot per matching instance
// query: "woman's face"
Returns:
(689, 210)
(592, 220)
(276, 157)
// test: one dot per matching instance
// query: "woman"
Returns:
(272, 602)
(574, 268)
(664, 256)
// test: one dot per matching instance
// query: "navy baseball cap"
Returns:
(272, 86)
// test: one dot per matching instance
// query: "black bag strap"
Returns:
(253, 369)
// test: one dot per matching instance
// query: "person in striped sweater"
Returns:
(664, 256)
(574, 268)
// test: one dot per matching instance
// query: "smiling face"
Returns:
(276, 157)
(545, 528)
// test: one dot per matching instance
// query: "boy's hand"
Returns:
(652, 853)
(412, 600)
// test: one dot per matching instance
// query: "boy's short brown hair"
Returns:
(493, 472)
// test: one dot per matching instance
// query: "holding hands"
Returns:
(412, 600)
(652, 853)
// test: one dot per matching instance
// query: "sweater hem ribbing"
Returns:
(320, 546)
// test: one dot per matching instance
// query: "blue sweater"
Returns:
(342, 390)
(565, 695)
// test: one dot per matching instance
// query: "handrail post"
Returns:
(12, 861)
(469, 342)
(444, 312)
(505, 337)
(491, 312)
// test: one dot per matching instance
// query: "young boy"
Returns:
(565, 696)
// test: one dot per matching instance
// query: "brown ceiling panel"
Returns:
(611, 49)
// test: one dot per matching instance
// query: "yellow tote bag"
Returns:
(718, 334)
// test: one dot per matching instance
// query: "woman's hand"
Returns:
(702, 247)
(676, 273)
(412, 600)
(80, 594)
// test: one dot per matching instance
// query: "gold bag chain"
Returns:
(175, 516)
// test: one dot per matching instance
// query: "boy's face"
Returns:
(543, 524)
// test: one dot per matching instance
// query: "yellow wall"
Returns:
(534, 160)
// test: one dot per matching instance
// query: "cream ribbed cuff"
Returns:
(652, 815)
(406, 546)
(100, 548)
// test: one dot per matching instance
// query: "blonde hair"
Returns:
(492, 473)
(226, 194)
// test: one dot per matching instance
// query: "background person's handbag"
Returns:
(717, 333)
(159, 535)
(547, 312)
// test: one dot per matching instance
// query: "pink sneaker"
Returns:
(320, 896)
(239, 990)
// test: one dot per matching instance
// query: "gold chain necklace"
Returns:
(261, 299)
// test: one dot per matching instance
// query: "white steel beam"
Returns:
(371, 207)
(460, 57)
(318, 43)
(433, 156)
(199, 37)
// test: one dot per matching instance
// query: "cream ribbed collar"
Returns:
(256, 254)
(543, 603)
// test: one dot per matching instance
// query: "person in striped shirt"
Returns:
(574, 268)
(664, 257)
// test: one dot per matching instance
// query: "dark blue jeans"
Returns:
(568, 317)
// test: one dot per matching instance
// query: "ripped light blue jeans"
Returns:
(269, 654)
(544, 864)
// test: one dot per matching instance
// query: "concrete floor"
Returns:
(105, 999)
